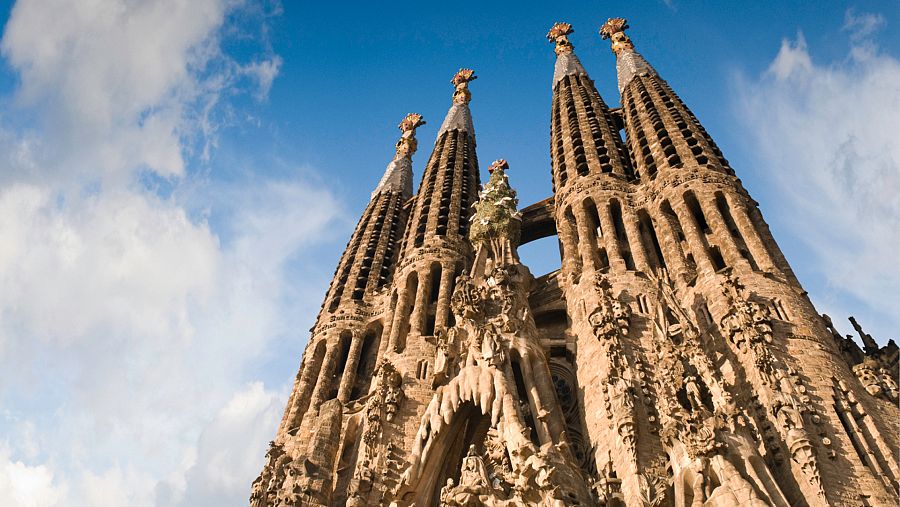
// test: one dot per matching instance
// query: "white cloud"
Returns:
(230, 446)
(130, 323)
(147, 322)
(26, 486)
(826, 138)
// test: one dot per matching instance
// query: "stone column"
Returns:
(302, 391)
(638, 252)
(323, 384)
(443, 302)
(585, 246)
(545, 387)
(751, 237)
(695, 238)
(616, 261)
(730, 249)
(349, 377)
(417, 318)
(398, 318)
(539, 412)
(571, 254)
(670, 244)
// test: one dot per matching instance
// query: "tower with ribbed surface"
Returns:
(673, 359)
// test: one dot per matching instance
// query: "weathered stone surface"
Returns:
(673, 360)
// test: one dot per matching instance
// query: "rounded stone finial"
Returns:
(614, 29)
(559, 34)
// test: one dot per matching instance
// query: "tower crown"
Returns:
(614, 29)
(407, 143)
(629, 63)
(461, 94)
(459, 117)
(566, 61)
(398, 175)
(559, 34)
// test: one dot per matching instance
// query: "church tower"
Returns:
(673, 360)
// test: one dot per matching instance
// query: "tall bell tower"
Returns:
(673, 360)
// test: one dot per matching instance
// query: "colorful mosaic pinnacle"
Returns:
(673, 360)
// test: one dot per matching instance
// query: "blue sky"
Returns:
(179, 177)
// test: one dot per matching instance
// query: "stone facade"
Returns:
(674, 359)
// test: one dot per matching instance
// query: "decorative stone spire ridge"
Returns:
(459, 117)
(629, 63)
(566, 62)
(496, 212)
(398, 175)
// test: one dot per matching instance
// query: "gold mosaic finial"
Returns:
(461, 82)
(559, 34)
(614, 29)
(407, 144)
(498, 164)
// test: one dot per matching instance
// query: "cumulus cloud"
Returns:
(119, 84)
(24, 485)
(131, 319)
(826, 137)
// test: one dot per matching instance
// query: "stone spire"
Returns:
(583, 134)
(629, 63)
(566, 61)
(459, 117)
(398, 175)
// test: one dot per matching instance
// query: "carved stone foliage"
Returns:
(748, 325)
(283, 481)
(486, 313)
(654, 482)
(382, 405)
(612, 318)
(877, 381)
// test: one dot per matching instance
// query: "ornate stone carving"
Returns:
(876, 380)
(461, 80)
(612, 318)
(614, 29)
(407, 144)
(559, 34)
(496, 218)
(654, 482)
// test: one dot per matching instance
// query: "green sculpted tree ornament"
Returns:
(496, 215)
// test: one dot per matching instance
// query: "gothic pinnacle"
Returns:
(459, 117)
(462, 95)
(629, 63)
(567, 63)
(614, 29)
(559, 34)
(398, 175)
(407, 143)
